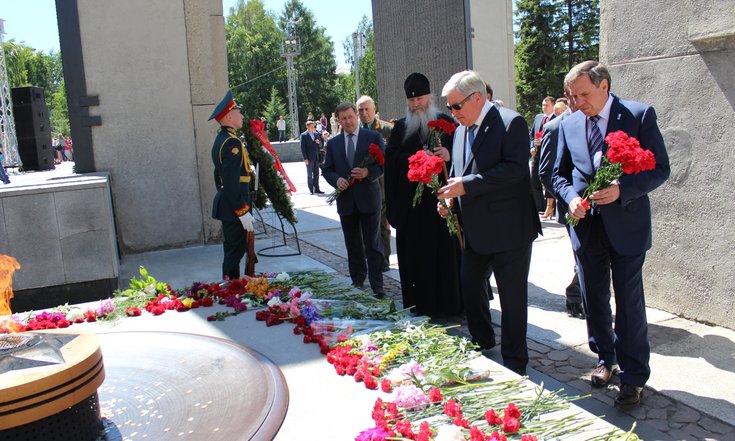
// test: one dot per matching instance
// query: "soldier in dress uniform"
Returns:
(232, 205)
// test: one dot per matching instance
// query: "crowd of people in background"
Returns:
(63, 148)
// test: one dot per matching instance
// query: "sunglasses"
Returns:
(459, 105)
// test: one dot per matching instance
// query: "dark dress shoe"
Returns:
(358, 284)
(519, 370)
(629, 395)
(379, 295)
(575, 309)
(319, 192)
(602, 375)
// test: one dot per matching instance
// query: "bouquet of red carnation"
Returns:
(625, 156)
(539, 134)
(374, 156)
(438, 128)
(424, 169)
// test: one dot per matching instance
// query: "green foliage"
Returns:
(28, 67)
(551, 37)
(253, 52)
(345, 87)
(273, 108)
(59, 111)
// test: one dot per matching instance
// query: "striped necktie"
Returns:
(470, 140)
(595, 142)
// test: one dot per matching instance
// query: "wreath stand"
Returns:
(269, 251)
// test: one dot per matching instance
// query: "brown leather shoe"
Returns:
(629, 395)
(602, 375)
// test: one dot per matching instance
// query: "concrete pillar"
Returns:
(678, 56)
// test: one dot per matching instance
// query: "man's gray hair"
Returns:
(344, 106)
(593, 69)
(465, 82)
(366, 99)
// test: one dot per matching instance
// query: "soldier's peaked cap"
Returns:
(224, 107)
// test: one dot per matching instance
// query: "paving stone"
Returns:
(715, 426)
(558, 355)
(656, 414)
(685, 414)
(563, 377)
(637, 412)
(538, 347)
(582, 363)
(545, 361)
(697, 431)
(658, 401)
(534, 354)
(674, 425)
(660, 425)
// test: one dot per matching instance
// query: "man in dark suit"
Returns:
(616, 233)
(358, 204)
(232, 172)
(310, 144)
(547, 157)
(539, 121)
(500, 221)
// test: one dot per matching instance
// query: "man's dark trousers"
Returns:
(357, 227)
(235, 246)
(511, 274)
(594, 263)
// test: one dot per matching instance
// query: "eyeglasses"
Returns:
(459, 105)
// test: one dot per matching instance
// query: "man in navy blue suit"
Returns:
(359, 203)
(499, 218)
(615, 234)
(310, 144)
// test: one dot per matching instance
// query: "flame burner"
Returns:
(48, 386)
(12, 343)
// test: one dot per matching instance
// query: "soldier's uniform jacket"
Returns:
(380, 126)
(231, 176)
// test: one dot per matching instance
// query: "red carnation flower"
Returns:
(511, 425)
(435, 395)
(512, 411)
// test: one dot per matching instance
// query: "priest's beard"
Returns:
(416, 122)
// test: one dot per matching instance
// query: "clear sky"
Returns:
(34, 21)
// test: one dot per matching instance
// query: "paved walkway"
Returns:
(690, 396)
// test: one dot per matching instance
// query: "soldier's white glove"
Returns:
(247, 222)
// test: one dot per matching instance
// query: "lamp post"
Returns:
(358, 45)
(290, 48)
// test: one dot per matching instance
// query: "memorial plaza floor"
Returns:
(690, 396)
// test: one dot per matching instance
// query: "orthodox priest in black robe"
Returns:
(427, 254)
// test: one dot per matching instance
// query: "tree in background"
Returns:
(315, 67)
(254, 58)
(551, 37)
(346, 87)
(273, 108)
(29, 67)
(368, 81)
(537, 55)
(579, 21)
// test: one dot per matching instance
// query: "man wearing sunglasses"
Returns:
(492, 183)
